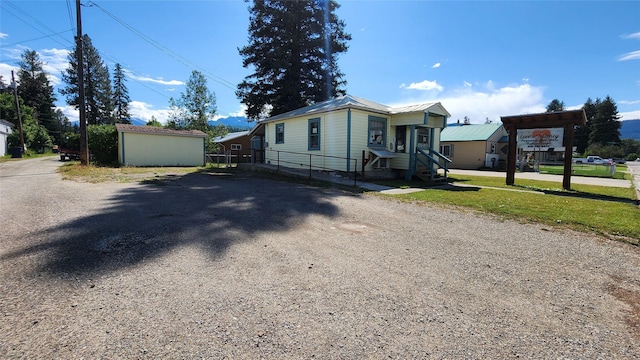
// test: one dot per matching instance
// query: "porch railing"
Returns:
(433, 157)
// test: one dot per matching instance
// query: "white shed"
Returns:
(154, 146)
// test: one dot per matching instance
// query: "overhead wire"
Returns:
(33, 20)
(181, 59)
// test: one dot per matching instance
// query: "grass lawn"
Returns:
(608, 211)
(97, 174)
(589, 170)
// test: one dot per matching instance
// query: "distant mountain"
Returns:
(239, 122)
(630, 129)
(138, 122)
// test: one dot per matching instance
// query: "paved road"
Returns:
(634, 169)
(218, 266)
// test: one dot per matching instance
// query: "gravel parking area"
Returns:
(222, 266)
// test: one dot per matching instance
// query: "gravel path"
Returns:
(216, 266)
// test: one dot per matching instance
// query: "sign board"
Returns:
(537, 138)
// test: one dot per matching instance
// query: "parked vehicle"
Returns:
(594, 159)
(68, 153)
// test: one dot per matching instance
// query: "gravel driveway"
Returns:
(238, 267)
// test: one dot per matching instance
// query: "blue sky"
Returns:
(480, 59)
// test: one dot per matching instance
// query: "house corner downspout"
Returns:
(349, 141)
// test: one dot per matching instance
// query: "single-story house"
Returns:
(237, 145)
(347, 132)
(155, 146)
(474, 146)
(6, 128)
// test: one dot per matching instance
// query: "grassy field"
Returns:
(588, 170)
(96, 174)
(609, 211)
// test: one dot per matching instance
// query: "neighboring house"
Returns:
(475, 146)
(338, 134)
(154, 146)
(6, 128)
(235, 144)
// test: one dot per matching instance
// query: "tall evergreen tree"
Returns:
(36, 91)
(555, 105)
(582, 131)
(293, 50)
(605, 127)
(120, 97)
(97, 84)
(196, 105)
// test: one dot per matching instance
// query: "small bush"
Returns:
(632, 157)
(103, 143)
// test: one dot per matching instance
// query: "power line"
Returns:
(33, 20)
(38, 38)
(181, 59)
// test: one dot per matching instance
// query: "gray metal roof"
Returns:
(481, 132)
(353, 102)
(230, 136)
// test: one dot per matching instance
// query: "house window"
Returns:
(314, 134)
(423, 138)
(446, 150)
(280, 133)
(236, 147)
(401, 139)
(377, 131)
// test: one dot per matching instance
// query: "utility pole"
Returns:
(84, 146)
(14, 85)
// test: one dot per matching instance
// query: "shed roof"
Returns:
(353, 102)
(231, 136)
(154, 130)
(480, 132)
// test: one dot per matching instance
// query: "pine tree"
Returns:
(97, 84)
(605, 127)
(582, 131)
(293, 49)
(120, 97)
(555, 105)
(36, 91)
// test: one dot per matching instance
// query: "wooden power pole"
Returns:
(84, 144)
(15, 96)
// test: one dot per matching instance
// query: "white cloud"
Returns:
(634, 55)
(467, 84)
(436, 65)
(144, 111)
(425, 85)
(630, 115)
(629, 102)
(5, 71)
(56, 62)
(70, 112)
(489, 103)
(632, 36)
(160, 81)
(3, 35)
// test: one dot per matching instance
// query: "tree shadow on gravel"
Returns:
(146, 221)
